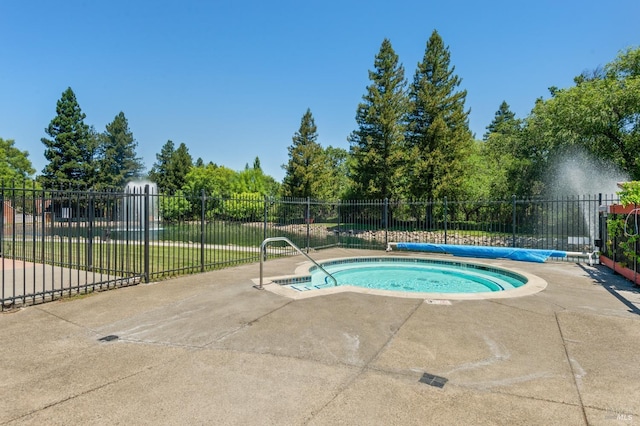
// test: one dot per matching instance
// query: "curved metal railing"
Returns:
(263, 257)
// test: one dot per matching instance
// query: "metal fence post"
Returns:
(513, 220)
(202, 219)
(385, 221)
(146, 233)
(2, 225)
(90, 229)
(264, 225)
(445, 219)
(308, 220)
(339, 221)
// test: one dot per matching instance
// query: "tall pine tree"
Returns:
(503, 142)
(117, 163)
(304, 169)
(159, 172)
(181, 163)
(71, 149)
(438, 137)
(503, 121)
(170, 170)
(377, 144)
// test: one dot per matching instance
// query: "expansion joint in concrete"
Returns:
(571, 367)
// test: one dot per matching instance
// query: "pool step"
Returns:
(306, 287)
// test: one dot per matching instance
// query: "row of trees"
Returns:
(174, 171)
(78, 154)
(314, 171)
(413, 140)
(411, 143)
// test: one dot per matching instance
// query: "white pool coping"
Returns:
(534, 285)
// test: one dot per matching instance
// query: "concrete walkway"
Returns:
(211, 349)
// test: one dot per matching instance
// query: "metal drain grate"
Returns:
(432, 380)
(108, 338)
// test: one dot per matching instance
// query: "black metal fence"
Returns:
(57, 243)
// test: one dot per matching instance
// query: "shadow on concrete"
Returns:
(613, 284)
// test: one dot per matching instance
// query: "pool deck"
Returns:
(212, 349)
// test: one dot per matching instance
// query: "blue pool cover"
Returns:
(525, 255)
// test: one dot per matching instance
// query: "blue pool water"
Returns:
(415, 275)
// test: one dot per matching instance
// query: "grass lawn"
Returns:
(123, 259)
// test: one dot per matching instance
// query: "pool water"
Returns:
(417, 276)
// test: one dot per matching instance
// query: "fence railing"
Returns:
(57, 243)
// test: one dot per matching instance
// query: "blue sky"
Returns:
(232, 79)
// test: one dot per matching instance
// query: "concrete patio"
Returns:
(211, 349)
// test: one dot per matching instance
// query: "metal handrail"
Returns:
(263, 256)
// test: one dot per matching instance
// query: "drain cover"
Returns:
(433, 380)
(108, 338)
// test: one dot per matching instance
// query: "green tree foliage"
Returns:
(479, 184)
(117, 161)
(14, 164)
(159, 172)
(599, 115)
(504, 154)
(171, 168)
(213, 180)
(503, 121)
(335, 184)
(630, 194)
(71, 149)
(254, 181)
(180, 164)
(377, 144)
(438, 137)
(175, 207)
(304, 171)
(245, 206)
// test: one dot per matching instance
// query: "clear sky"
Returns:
(232, 79)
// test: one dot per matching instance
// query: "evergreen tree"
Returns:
(303, 171)
(159, 172)
(171, 168)
(503, 120)
(256, 164)
(500, 151)
(72, 148)
(181, 163)
(438, 137)
(377, 145)
(117, 163)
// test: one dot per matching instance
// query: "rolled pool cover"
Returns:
(522, 254)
